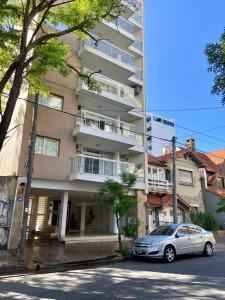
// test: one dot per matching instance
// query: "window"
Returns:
(46, 146)
(185, 177)
(149, 129)
(149, 138)
(169, 123)
(51, 101)
(184, 230)
(194, 229)
(157, 119)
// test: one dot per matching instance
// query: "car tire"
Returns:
(169, 254)
(208, 251)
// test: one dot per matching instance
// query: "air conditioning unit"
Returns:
(137, 89)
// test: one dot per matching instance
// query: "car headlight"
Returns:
(155, 244)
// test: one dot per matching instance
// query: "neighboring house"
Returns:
(74, 155)
(159, 127)
(159, 208)
(213, 187)
(189, 163)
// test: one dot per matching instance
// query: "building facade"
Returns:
(159, 127)
(84, 137)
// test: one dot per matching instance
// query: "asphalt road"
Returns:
(190, 277)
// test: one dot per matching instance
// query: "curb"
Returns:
(23, 269)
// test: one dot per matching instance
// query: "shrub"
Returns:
(206, 220)
(131, 229)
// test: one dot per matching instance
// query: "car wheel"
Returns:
(208, 251)
(169, 254)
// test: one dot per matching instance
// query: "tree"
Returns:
(216, 59)
(29, 46)
(221, 205)
(116, 195)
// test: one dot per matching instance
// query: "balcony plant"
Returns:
(116, 195)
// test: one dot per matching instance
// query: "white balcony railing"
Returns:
(138, 74)
(123, 24)
(113, 87)
(136, 18)
(111, 51)
(102, 168)
(84, 164)
(158, 184)
(110, 125)
(138, 44)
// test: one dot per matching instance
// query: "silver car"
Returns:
(167, 241)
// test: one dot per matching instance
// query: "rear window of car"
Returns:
(164, 230)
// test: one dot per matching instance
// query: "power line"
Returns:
(85, 118)
(202, 133)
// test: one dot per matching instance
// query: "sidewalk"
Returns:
(53, 253)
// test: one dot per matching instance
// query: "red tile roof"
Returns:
(153, 160)
(162, 201)
(217, 191)
(201, 157)
(217, 156)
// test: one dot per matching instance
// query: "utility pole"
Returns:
(174, 181)
(29, 178)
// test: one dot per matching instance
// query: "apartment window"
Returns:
(185, 176)
(157, 119)
(46, 146)
(149, 138)
(149, 128)
(52, 101)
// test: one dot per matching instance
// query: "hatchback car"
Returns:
(167, 241)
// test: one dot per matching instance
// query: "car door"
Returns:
(196, 238)
(183, 240)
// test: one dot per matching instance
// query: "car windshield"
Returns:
(163, 230)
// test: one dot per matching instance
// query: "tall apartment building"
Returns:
(159, 127)
(74, 155)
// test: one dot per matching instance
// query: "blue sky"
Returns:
(176, 33)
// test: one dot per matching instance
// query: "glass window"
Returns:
(194, 229)
(185, 176)
(184, 230)
(51, 101)
(164, 230)
(46, 146)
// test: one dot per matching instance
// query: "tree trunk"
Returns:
(7, 76)
(119, 232)
(11, 102)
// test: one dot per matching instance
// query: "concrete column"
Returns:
(113, 226)
(83, 217)
(34, 212)
(63, 215)
(117, 157)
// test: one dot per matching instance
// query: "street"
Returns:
(190, 277)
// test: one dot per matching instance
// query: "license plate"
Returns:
(140, 251)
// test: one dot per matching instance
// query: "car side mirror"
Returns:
(179, 234)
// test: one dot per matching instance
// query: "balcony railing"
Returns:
(90, 119)
(113, 87)
(138, 44)
(123, 24)
(138, 74)
(111, 51)
(157, 184)
(84, 164)
(137, 18)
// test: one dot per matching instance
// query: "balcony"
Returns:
(111, 134)
(157, 184)
(132, 5)
(112, 95)
(111, 60)
(137, 47)
(120, 31)
(138, 77)
(137, 20)
(97, 169)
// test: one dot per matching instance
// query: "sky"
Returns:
(176, 33)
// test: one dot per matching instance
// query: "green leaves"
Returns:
(115, 194)
(216, 58)
(221, 205)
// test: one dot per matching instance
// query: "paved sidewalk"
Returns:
(52, 252)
